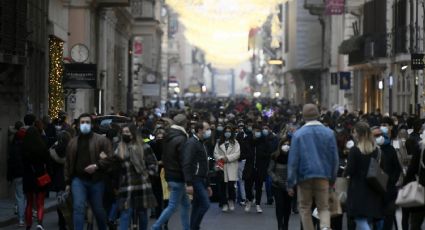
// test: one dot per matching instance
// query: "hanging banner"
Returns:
(344, 80)
(334, 7)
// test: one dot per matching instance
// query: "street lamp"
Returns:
(390, 91)
(404, 67)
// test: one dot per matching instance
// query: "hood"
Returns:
(175, 131)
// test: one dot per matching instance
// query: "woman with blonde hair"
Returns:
(135, 193)
(364, 204)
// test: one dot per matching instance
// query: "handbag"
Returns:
(219, 165)
(43, 180)
(412, 194)
(376, 178)
(341, 187)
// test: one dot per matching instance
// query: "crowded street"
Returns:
(212, 114)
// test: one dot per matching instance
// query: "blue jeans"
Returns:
(200, 203)
(127, 215)
(113, 212)
(83, 191)
(20, 198)
(363, 224)
(178, 197)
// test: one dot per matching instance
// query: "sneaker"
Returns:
(231, 206)
(225, 208)
(259, 210)
(248, 206)
(39, 227)
(242, 203)
(21, 224)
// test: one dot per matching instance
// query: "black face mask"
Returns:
(126, 138)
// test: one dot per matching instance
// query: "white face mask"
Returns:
(350, 144)
(380, 140)
(285, 148)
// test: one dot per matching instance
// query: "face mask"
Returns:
(293, 120)
(338, 130)
(265, 132)
(422, 136)
(384, 129)
(126, 138)
(85, 128)
(227, 135)
(220, 128)
(226, 120)
(220, 120)
(380, 140)
(151, 117)
(395, 123)
(115, 139)
(285, 148)
(58, 127)
(207, 134)
(257, 134)
(250, 129)
(350, 144)
(193, 131)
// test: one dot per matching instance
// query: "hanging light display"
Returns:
(56, 101)
(221, 27)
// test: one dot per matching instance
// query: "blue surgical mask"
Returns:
(85, 128)
(384, 129)
(265, 132)
(220, 128)
(207, 134)
(257, 134)
(227, 135)
(249, 128)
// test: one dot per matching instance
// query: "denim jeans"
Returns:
(127, 215)
(200, 203)
(178, 197)
(241, 183)
(363, 224)
(20, 198)
(83, 191)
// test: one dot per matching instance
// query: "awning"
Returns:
(352, 44)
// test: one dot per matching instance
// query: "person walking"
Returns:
(85, 166)
(15, 168)
(312, 166)
(278, 171)
(391, 166)
(35, 158)
(363, 203)
(227, 151)
(135, 194)
(172, 160)
(195, 169)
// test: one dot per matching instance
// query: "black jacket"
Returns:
(362, 201)
(172, 153)
(195, 160)
(257, 158)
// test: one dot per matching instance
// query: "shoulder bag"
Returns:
(412, 194)
(376, 178)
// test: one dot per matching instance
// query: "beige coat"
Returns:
(232, 154)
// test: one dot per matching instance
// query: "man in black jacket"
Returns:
(172, 159)
(195, 168)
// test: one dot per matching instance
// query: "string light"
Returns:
(56, 100)
(221, 27)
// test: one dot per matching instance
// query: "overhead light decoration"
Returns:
(221, 27)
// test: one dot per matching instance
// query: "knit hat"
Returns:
(180, 120)
(310, 112)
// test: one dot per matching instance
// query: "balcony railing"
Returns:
(113, 3)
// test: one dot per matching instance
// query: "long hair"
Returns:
(232, 137)
(365, 140)
(136, 142)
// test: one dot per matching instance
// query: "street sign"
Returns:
(417, 61)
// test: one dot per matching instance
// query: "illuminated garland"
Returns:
(56, 99)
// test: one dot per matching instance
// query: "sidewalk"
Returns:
(7, 209)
